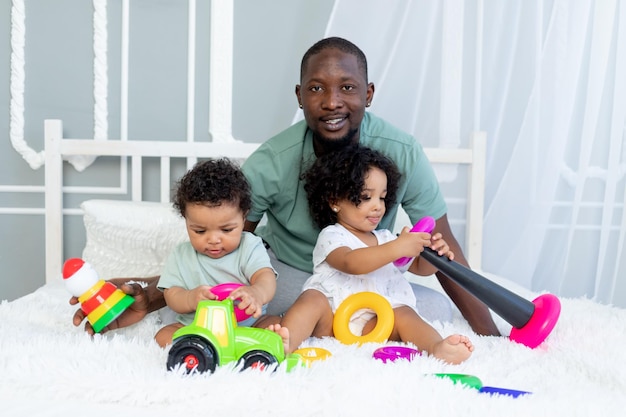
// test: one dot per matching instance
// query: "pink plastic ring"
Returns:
(222, 291)
(540, 324)
(392, 353)
(426, 224)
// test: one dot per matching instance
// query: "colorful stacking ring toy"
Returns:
(222, 291)
(101, 301)
(358, 301)
(392, 353)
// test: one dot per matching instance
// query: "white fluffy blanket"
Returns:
(50, 368)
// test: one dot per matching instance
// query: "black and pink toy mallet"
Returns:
(532, 321)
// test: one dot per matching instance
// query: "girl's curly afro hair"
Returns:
(213, 182)
(340, 175)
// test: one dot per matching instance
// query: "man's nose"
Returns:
(332, 99)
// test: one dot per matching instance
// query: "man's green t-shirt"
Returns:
(274, 172)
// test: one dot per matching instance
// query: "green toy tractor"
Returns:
(213, 338)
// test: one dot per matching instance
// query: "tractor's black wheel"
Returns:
(258, 359)
(193, 353)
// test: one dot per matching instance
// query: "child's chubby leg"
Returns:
(164, 336)
(310, 315)
(410, 327)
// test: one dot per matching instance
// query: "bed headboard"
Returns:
(57, 148)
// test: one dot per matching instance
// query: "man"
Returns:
(333, 94)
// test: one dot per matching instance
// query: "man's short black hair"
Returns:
(341, 44)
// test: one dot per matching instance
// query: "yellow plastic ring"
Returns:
(358, 301)
(312, 354)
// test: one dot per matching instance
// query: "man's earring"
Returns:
(368, 104)
(300, 105)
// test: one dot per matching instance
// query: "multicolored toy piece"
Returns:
(475, 382)
(101, 301)
(213, 338)
(532, 321)
(392, 353)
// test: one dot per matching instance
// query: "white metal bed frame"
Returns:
(57, 147)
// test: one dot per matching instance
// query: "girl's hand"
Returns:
(412, 244)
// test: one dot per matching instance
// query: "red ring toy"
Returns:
(222, 291)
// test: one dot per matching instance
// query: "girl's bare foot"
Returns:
(453, 349)
(283, 332)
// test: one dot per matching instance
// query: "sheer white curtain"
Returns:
(547, 81)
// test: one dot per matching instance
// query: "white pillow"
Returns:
(128, 238)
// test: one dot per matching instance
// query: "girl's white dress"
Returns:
(388, 281)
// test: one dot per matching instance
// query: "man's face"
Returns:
(333, 95)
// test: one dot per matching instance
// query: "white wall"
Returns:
(269, 40)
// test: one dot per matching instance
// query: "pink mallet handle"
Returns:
(426, 224)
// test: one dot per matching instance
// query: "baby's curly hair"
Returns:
(340, 175)
(213, 182)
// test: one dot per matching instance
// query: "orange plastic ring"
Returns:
(358, 301)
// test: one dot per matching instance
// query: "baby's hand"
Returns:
(248, 300)
(440, 246)
(200, 293)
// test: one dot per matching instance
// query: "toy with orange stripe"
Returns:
(101, 301)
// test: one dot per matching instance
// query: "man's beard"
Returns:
(330, 145)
